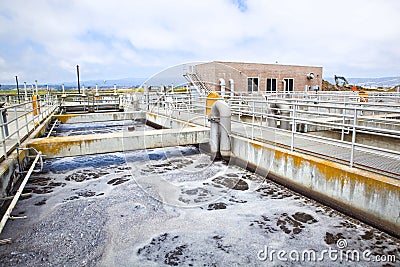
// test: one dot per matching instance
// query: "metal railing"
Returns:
(17, 121)
(90, 102)
(338, 126)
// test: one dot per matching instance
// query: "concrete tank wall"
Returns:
(367, 196)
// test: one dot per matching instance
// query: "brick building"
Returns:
(256, 77)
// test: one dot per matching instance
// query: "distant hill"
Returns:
(125, 82)
(371, 82)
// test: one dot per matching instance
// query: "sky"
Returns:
(44, 40)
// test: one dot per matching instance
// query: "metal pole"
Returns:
(146, 91)
(17, 124)
(252, 124)
(77, 73)
(293, 127)
(36, 86)
(16, 79)
(353, 138)
(3, 134)
(343, 121)
(26, 93)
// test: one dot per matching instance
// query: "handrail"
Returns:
(10, 208)
(380, 117)
(18, 120)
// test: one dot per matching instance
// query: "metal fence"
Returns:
(18, 120)
(360, 131)
(90, 103)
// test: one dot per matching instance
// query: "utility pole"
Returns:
(16, 79)
(77, 73)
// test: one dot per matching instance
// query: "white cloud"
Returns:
(135, 38)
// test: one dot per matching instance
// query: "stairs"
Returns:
(201, 86)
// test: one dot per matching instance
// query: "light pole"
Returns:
(77, 73)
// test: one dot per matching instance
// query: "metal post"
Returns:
(343, 122)
(252, 124)
(3, 134)
(4, 122)
(17, 124)
(146, 91)
(353, 138)
(293, 127)
(26, 119)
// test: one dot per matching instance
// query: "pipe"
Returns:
(222, 84)
(280, 112)
(232, 86)
(26, 92)
(220, 129)
(135, 102)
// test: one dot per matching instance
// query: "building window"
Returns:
(252, 85)
(289, 84)
(271, 85)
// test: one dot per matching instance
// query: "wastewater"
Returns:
(175, 207)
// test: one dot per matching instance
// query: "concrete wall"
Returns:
(67, 146)
(367, 196)
(211, 72)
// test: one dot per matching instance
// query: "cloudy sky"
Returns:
(109, 39)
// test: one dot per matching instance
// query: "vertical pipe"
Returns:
(63, 89)
(97, 90)
(220, 129)
(232, 86)
(222, 84)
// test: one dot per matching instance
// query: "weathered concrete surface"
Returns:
(97, 117)
(367, 196)
(115, 142)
